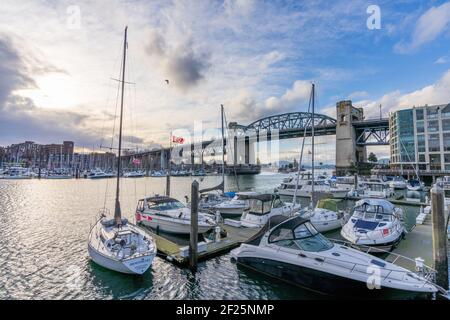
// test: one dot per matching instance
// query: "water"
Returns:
(44, 229)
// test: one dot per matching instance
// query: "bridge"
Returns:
(353, 134)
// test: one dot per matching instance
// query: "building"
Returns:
(420, 138)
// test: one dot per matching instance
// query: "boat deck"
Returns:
(171, 250)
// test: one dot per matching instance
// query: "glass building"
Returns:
(420, 137)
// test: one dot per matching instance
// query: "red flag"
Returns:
(138, 217)
(136, 161)
(178, 140)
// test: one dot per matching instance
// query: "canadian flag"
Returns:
(136, 161)
(178, 140)
(138, 217)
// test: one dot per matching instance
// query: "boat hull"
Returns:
(307, 194)
(174, 227)
(321, 282)
(136, 266)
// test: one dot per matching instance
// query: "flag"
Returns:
(136, 161)
(138, 217)
(178, 140)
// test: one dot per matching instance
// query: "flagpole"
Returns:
(169, 166)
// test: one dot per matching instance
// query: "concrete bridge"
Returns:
(353, 133)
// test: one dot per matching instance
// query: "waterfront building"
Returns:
(420, 138)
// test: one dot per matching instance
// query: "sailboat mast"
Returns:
(312, 144)
(223, 149)
(117, 211)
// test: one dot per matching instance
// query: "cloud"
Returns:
(434, 22)
(441, 60)
(246, 107)
(183, 65)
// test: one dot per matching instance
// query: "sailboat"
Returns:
(116, 244)
(322, 219)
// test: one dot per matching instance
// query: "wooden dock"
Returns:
(235, 236)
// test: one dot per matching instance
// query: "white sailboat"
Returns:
(116, 244)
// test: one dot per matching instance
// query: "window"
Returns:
(432, 113)
(419, 114)
(434, 143)
(447, 158)
(446, 125)
(433, 126)
(446, 141)
(435, 162)
(420, 127)
(422, 158)
(445, 113)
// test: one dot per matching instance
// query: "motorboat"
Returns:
(57, 175)
(134, 174)
(198, 173)
(398, 183)
(122, 247)
(373, 189)
(376, 223)
(210, 199)
(304, 188)
(415, 185)
(236, 206)
(292, 250)
(117, 244)
(264, 206)
(325, 216)
(100, 174)
(169, 215)
(158, 174)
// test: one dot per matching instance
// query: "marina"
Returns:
(193, 151)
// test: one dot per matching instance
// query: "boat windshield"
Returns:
(164, 206)
(414, 183)
(304, 237)
(260, 207)
(372, 212)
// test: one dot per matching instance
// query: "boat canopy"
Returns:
(261, 197)
(384, 204)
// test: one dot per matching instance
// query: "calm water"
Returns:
(45, 225)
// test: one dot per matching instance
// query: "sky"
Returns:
(59, 59)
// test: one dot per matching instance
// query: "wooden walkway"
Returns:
(235, 236)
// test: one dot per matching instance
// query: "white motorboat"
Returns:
(210, 199)
(166, 214)
(57, 175)
(264, 206)
(100, 174)
(292, 250)
(415, 185)
(398, 183)
(376, 223)
(304, 189)
(115, 243)
(236, 206)
(157, 174)
(134, 174)
(374, 190)
(122, 247)
(325, 216)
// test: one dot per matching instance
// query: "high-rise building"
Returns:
(420, 138)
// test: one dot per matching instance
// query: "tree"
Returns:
(372, 157)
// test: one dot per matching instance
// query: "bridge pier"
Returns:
(348, 153)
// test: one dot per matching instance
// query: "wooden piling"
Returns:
(193, 244)
(439, 236)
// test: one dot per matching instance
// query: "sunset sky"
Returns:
(256, 57)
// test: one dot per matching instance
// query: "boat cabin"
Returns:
(262, 204)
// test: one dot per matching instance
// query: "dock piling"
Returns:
(193, 244)
(439, 236)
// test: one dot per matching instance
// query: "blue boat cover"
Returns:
(368, 225)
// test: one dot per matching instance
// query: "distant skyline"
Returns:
(257, 58)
